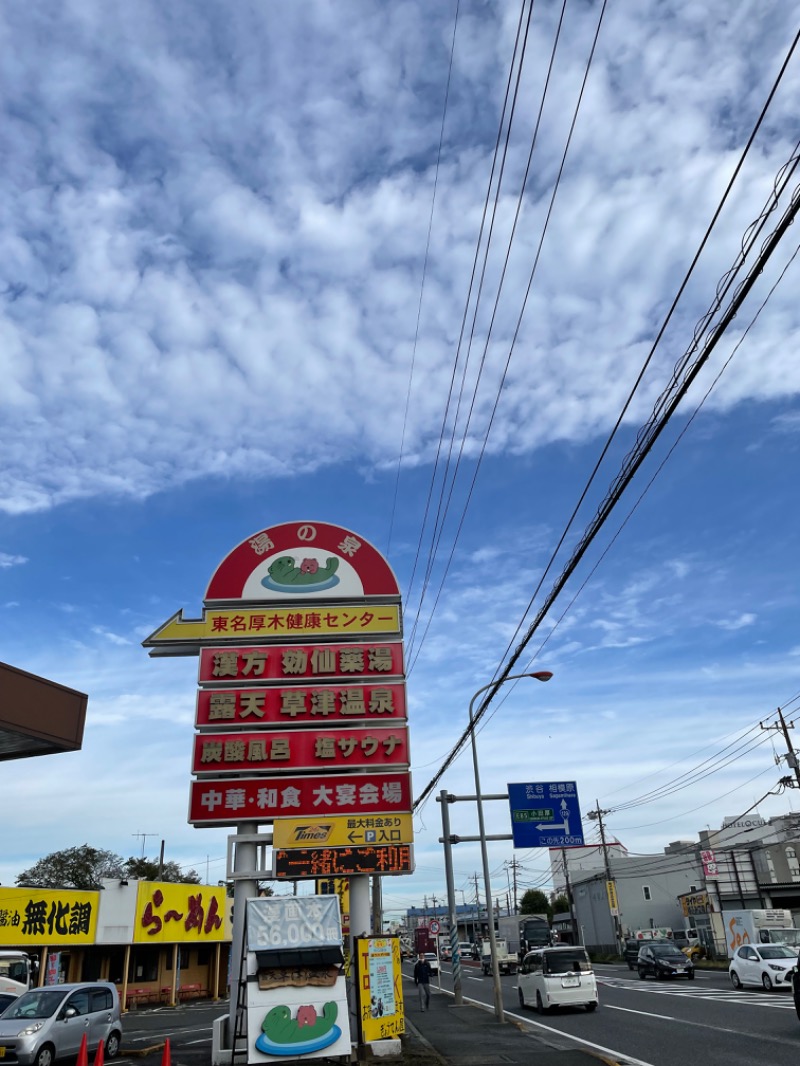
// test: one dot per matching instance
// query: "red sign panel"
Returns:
(300, 749)
(320, 705)
(227, 802)
(297, 560)
(341, 862)
(299, 662)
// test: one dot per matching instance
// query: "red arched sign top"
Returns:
(302, 561)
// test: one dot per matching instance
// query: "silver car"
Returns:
(45, 1024)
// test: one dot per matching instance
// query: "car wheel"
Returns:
(642, 974)
(113, 1044)
(521, 997)
(736, 981)
(766, 981)
(45, 1055)
(591, 1006)
(540, 1007)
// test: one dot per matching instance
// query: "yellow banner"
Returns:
(44, 916)
(611, 891)
(343, 831)
(169, 913)
(337, 886)
(380, 987)
(264, 624)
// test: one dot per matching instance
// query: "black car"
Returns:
(663, 959)
(631, 953)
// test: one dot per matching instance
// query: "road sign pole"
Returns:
(455, 955)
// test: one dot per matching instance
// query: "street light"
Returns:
(539, 675)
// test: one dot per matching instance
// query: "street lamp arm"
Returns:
(539, 675)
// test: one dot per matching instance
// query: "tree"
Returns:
(148, 870)
(534, 901)
(81, 867)
(561, 904)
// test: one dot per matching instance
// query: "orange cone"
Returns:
(83, 1055)
(166, 1058)
(98, 1059)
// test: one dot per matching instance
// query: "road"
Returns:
(660, 1023)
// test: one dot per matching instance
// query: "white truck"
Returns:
(774, 926)
(16, 972)
(507, 961)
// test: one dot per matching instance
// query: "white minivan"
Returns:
(46, 1024)
(557, 977)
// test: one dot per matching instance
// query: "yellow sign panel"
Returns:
(45, 916)
(343, 831)
(337, 886)
(611, 891)
(380, 987)
(264, 624)
(169, 913)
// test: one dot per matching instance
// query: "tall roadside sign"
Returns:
(545, 814)
(301, 703)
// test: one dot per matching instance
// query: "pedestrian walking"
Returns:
(422, 979)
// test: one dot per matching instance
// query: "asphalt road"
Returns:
(660, 1023)
(188, 1028)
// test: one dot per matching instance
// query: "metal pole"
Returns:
(458, 995)
(487, 887)
(538, 675)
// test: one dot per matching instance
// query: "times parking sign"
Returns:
(545, 815)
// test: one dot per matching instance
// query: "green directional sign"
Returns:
(537, 814)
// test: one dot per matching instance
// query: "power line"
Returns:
(424, 275)
(683, 377)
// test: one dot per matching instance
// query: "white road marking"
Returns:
(557, 1032)
(646, 1013)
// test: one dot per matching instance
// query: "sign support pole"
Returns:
(245, 858)
(455, 955)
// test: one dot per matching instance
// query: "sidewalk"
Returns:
(471, 1036)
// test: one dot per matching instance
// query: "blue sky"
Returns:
(213, 227)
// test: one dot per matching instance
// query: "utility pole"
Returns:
(474, 880)
(597, 816)
(513, 865)
(791, 756)
(573, 918)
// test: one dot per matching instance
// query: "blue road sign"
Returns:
(545, 815)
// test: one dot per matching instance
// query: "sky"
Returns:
(236, 251)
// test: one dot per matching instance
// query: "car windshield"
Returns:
(567, 962)
(39, 1004)
(777, 951)
(664, 950)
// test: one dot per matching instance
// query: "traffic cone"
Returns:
(166, 1057)
(83, 1054)
(98, 1059)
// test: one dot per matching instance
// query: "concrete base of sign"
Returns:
(385, 1049)
(221, 1054)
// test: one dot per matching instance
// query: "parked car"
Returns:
(432, 960)
(631, 953)
(6, 998)
(661, 958)
(768, 965)
(557, 977)
(45, 1024)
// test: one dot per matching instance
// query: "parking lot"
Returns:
(188, 1028)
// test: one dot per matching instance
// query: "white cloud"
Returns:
(741, 621)
(7, 560)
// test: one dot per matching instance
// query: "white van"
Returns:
(557, 977)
